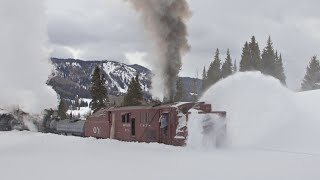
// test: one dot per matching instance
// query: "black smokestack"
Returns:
(165, 22)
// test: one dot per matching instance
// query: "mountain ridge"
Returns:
(72, 77)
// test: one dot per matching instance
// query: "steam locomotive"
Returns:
(164, 123)
(49, 123)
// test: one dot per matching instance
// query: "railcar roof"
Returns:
(103, 111)
(174, 105)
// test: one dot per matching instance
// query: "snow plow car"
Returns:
(167, 124)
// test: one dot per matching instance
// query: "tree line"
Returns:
(269, 62)
(311, 79)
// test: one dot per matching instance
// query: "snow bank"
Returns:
(262, 113)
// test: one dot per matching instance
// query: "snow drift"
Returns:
(262, 113)
(24, 60)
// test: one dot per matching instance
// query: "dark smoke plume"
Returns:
(165, 22)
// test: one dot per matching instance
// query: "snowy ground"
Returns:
(27, 155)
(273, 135)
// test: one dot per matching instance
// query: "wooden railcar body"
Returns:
(165, 124)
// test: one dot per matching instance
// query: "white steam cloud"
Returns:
(24, 63)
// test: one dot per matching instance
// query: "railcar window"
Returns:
(125, 117)
(128, 117)
(144, 117)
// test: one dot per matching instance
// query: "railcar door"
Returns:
(164, 128)
(133, 127)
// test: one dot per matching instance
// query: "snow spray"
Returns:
(256, 106)
(24, 64)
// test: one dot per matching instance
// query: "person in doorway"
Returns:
(164, 123)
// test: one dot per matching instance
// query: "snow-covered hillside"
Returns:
(72, 77)
(273, 132)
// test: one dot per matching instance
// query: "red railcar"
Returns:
(162, 124)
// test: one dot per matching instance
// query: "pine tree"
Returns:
(268, 61)
(98, 90)
(138, 91)
(226, 69)
(128, 98)
(104, 101)
(255, 54)
(77, 104)
(180, 91)
(280, 70)
(204, 79)
(312, 78)
(62, 109)
(134, 96)
(214, 71)
(245, 63)
(194, 90)
(235, 66)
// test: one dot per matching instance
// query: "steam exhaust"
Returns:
(165, 21)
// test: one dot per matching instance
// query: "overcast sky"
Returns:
(110, 29)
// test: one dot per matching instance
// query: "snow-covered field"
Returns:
(273, 134)
(35, 156)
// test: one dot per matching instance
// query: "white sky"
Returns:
(110, 29)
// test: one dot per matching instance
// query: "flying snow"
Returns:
(261, 112)
(24, 64)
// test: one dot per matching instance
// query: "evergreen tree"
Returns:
(226, 69)
(138, 91)
(312, 78)
(268, 61)
(104, 101)
(255, 54)
(62, 109)
(204, 79)
(77, 104)
(128, 98)
(235, 66)
(214, 71)
(134, 96)
(280, 70)
(180, 91)
(245, 63)
(194, 90)
(98, 90)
